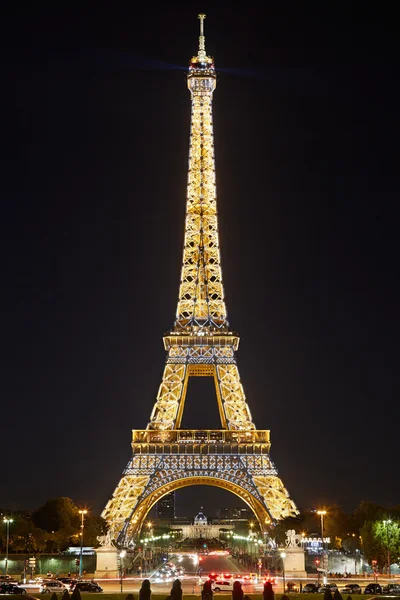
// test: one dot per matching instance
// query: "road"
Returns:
(208, 563)
(192, 580)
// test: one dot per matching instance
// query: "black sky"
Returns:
(95, 131)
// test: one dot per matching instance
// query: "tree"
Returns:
(367, 511)
(372, 550)
(58, 513)
(94, 526)
(387, 534)
(351, 543)
(380, 537)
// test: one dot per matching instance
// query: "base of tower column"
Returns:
(106, 563)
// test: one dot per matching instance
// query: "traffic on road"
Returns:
(193, 570)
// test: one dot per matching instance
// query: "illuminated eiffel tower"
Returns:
(201, 344)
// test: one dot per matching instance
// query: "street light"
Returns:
(322, 513)
(122, 554)
(7, 522)
(283, 556)
(386, 523)
(82, 513)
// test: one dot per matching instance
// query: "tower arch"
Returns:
(139, 516)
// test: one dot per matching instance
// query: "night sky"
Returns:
(95, 134)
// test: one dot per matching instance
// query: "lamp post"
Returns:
(7, 522)
(386, 523)
(122, 554)
(283, 556)
(322, 513)
(82, 513)
(149, 525)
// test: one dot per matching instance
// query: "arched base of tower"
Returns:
(146, 505)
(166, 461)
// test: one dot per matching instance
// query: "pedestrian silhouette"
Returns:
(145, 591)
(206, 592)
(237, 592)
(176, 590)
(268, 592)
(327, 594)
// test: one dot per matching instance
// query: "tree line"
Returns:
(53, 527)
(370, 528)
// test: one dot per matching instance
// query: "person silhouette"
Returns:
(145, 591)
(237, 592)
(268, 592)
(206, 592)
(176, 590)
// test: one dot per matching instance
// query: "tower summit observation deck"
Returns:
(200, 344)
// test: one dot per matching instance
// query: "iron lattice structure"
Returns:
(201, 343)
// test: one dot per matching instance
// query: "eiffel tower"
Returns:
(201, 344)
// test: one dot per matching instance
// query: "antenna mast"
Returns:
(202, 45)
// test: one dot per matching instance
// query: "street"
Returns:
(197, 567)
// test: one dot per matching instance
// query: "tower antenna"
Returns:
(202, 45)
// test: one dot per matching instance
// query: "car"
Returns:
(373, 588)
(250, 578)
(48, 586)
(11, 588)
(86, 586)
(223, 585)
(351, 588)
(332, 587)
(310, 588)
(163, 575)
(391, 588)
(67, 580)
(292, 586)
(7, 579)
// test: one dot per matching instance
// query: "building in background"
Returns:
(165, 508)
(201, 528)
(234, 514)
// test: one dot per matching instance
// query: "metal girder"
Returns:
(148, 477)
(200, 344)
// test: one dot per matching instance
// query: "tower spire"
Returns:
(202, 40)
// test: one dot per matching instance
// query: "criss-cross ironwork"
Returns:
(200, 344)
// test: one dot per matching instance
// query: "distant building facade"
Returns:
(165, 508)
(201, 528)
(234, 514)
